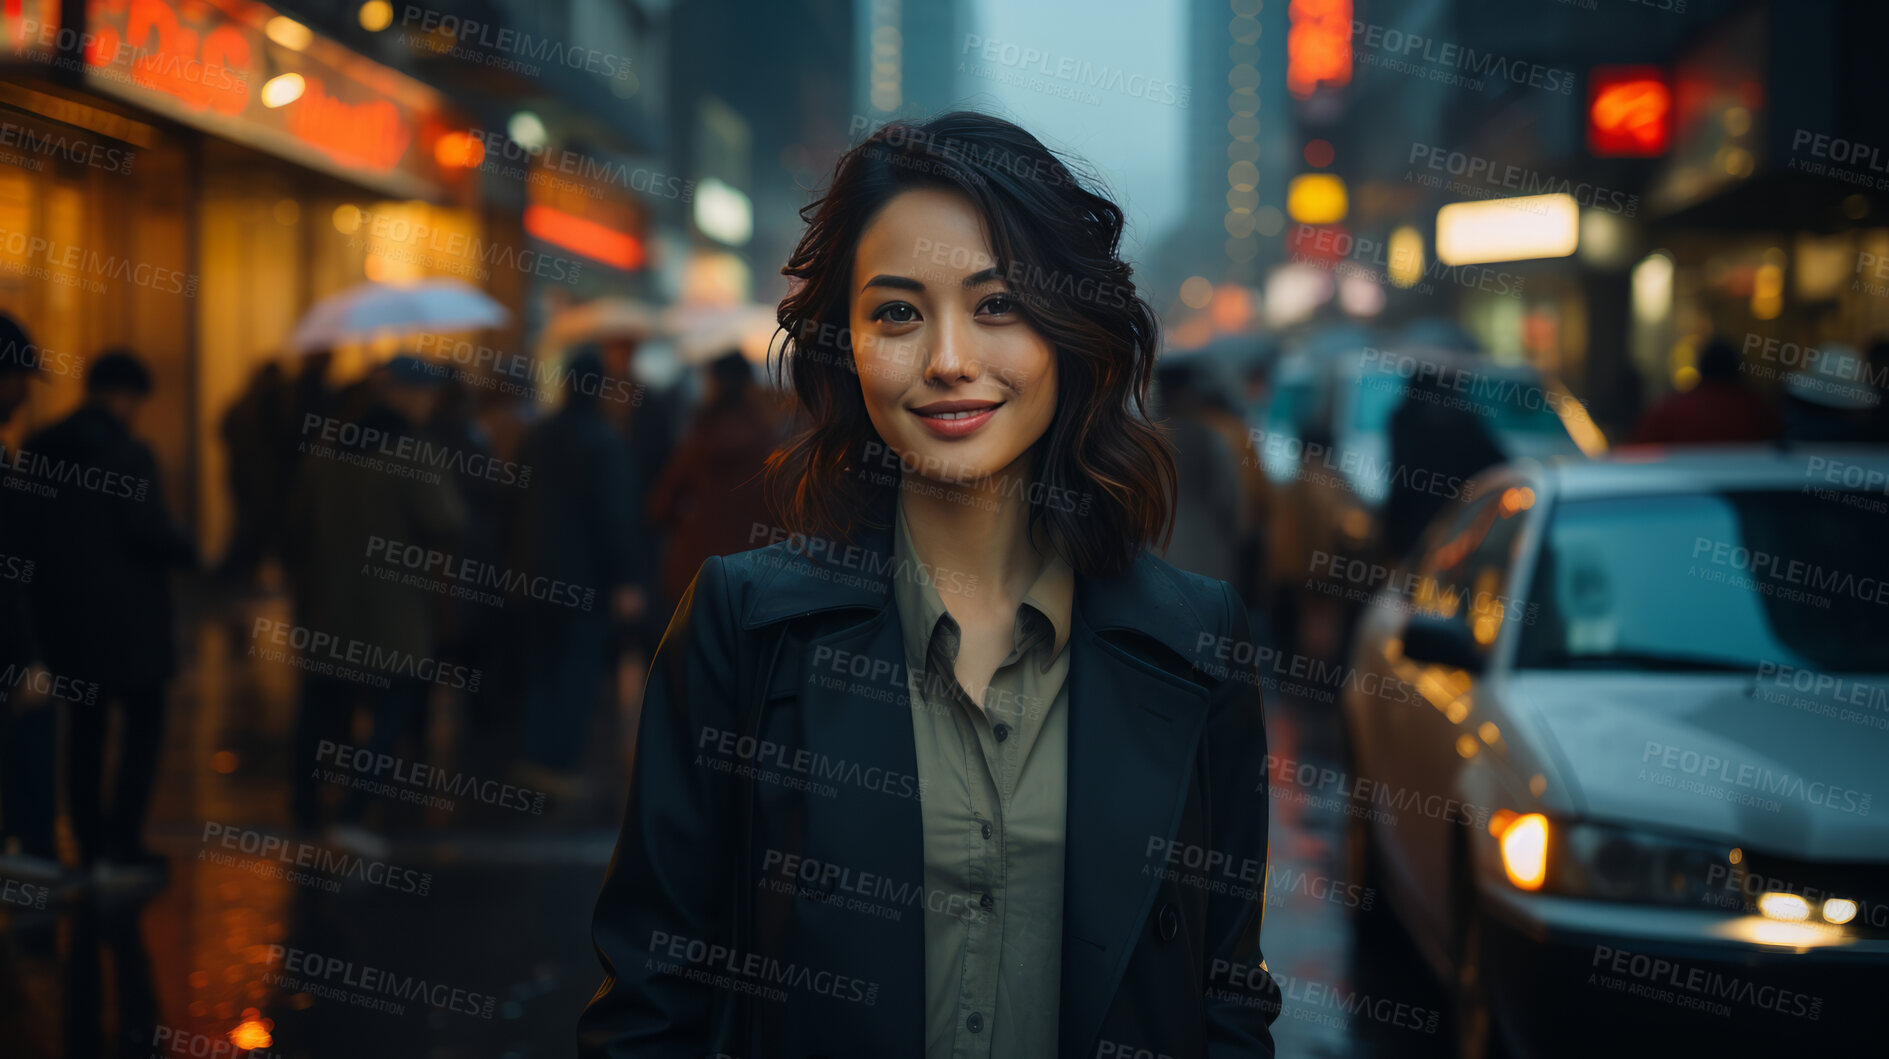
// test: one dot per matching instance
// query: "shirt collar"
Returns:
(920, 606)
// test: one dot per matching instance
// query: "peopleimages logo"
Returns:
(468, 34)
(1078, 72)
(1442, 55)
(1482, 177)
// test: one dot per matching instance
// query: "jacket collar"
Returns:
(808, 575)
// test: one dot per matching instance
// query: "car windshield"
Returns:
(1730, 580)
(1518, 405)
(1510, 404)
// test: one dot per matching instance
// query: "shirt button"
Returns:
(1002, 731)
(986, 903)
(975, 1023)
(986, 830)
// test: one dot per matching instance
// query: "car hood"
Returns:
(1717, 755)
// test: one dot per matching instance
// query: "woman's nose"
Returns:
(952, 356)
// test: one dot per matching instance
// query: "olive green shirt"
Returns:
(995, 788)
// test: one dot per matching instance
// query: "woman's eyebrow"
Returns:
(885, 279)
(897, 282)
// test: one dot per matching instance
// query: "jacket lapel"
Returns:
(1133, 735)
(1134, 730)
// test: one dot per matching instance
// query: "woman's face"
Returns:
(957, 383)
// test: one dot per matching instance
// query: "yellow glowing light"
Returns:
(376, 15)
(1517, 498)
(1317, 198)
(1466, 745)
(1196, 292)
(1406, 257)
(1514, 229)
(1525, 851)
(1787, 907)
(1737, 856)
(252, 1033)
(282, 89)
(347, 218)
(1758, 930)
(1767, 292)
(1580, 425)
(1456, 710)
(288, 32)
(1839, 910)
(1653, 289)
(1487, 625)
(1489, 733)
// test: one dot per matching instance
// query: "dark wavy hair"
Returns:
(1057, 244)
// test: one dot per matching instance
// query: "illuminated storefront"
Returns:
(177, 176)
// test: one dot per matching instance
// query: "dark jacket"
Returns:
(1166, 775)
(711, 499)
(344, 498)
(576, 522)
(1716, 411)
(92, 510)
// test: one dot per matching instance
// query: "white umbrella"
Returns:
(704, 332)
(371, 310)
(602, 318)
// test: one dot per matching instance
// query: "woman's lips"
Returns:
(955, 423)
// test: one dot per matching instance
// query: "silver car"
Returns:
(1617, 741)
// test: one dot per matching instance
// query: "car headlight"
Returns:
(1608, 863)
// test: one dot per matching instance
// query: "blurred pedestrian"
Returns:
(576, 529)
(710, 497)
(650, 425)
(1219, 411)
(29, 726)
(360, 509)
(470, 626)
(258, 489)
(106, 547)
(1718, 409)
(1436, 445)
(1210, 516)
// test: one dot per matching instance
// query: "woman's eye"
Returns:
(999, 304)
(895, 313)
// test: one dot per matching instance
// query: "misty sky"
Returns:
(1134, 142)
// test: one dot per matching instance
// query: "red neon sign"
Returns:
(1318, 45)
(583, 236)
(1629, 111)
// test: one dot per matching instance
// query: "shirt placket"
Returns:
(996, 781)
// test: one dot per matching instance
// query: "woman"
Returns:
(953, 766)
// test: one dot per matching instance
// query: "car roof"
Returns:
(1657, 470)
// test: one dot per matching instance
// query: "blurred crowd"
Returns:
(511, 560)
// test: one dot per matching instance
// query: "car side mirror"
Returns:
(1441, 641)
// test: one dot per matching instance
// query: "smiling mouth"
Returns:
(957, 415)
(949, 410)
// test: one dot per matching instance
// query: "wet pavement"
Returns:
(459, 928)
